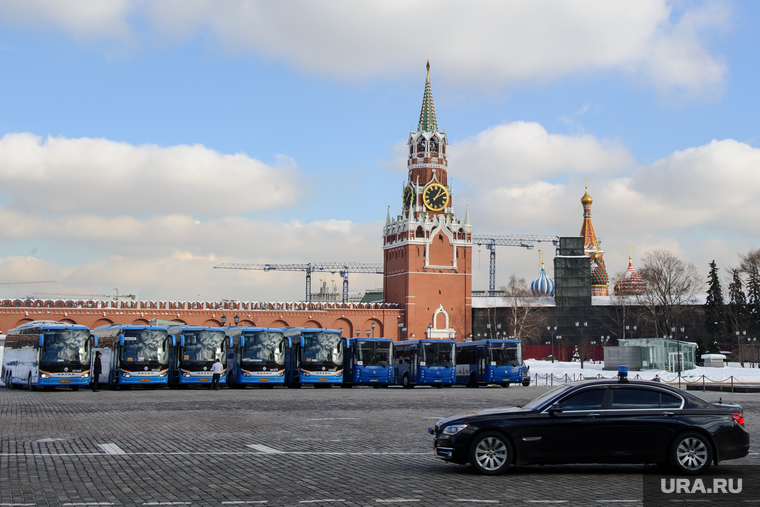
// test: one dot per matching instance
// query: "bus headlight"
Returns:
(163, 373)
(185, 374)
(85, 374)
(281, 373)
(305, 373)
(125, 374)
(246, 373)
(44, 375)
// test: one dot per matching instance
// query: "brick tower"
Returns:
(427, 250)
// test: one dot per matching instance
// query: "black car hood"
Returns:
(485, 412)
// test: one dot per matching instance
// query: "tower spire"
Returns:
(427, 122)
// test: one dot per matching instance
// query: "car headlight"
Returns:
(453, 429)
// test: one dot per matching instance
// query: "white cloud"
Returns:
(112, 178)
(486, 44)
(89, 19)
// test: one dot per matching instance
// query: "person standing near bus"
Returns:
(216, 370)
(97, 368)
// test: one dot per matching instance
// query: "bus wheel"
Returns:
(377, 386)
(473, 380)
(506, 384)
(7, 380)
(405, 382)
(29, 383)
(75, 388)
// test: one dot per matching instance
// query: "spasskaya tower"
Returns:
(427, 250)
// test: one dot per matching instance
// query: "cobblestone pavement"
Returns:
(277, 447)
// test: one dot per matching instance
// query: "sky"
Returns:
(144, 142)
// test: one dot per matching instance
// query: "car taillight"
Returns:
(738, 417)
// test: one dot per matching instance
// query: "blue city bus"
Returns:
(47, 354)
(486, 362)
(426, 361)
(195, 350)
(318, 358)
(260, 356)
(134, 355)
(368, 361)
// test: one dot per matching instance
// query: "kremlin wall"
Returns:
(427, 275)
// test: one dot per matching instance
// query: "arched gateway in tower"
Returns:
(427, 250)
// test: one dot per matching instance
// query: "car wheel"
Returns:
(490, 453)
(405, 382)
(691, 453)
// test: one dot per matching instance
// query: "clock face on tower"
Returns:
(408, 197)
(435, 197)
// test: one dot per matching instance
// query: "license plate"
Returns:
(263, 380)
(322, 379)
(144, 380)
(203, 380)
(65, 381)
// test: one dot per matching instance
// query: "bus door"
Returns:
(413, 364)
(482, 357)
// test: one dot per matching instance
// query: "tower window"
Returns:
(421, 145)
(434, 144)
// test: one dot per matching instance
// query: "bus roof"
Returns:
(490, 341)
(49, 324)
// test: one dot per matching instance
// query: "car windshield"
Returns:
(144, 346)
(202, 346)
(264, 347)
(322, 348)
(505, 354)
(438, 354)
(66, 347)
(541, 400)
(373, 353)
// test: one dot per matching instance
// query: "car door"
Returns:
(640, 423)
(571, 435)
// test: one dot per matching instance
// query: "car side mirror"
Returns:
(555, 408)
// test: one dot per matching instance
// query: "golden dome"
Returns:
(586, 199)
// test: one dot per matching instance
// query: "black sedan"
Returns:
(601, 421)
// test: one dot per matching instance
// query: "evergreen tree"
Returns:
(753, 300)
(715, 307)
(737, 304)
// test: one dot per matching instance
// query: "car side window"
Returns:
(641, 399)
(590, 399)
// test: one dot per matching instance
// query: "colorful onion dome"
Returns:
(599, 273)
(543, 285)
(631, 283)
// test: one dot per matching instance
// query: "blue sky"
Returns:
(143, 143)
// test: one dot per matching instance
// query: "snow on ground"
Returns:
(593, 370)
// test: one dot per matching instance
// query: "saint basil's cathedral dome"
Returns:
(631, 283)
(542, 285)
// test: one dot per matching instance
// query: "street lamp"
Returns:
(741, 350)
(678, 357)
(593, 347)
(236, 319)
(430, 331)
(488, 326)
(358, 333)
(552, 332)
(367, 331)
(559, 348)
(373, 330)
(400, 331)
(498, 329)
(223, 319)
(578, 325)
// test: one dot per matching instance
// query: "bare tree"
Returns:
(671, 286)
(749, 260)
(521, 308)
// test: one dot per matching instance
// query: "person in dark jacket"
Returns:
(97, 368)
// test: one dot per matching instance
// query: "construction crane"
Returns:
(491, 242)
(113, 296)
(344, 268)
(26, 282)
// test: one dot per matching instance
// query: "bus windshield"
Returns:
(322, 348)
(203, 346)
(373, 353)
(66, 347)
(144, 346)
(504, 354)
(438, 354)
(264, 347)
